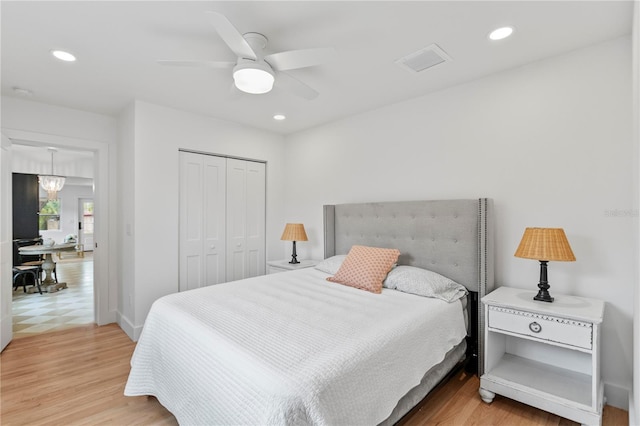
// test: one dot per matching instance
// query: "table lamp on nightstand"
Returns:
(294, 232)
(545, 244)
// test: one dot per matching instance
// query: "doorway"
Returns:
(59, 219)
(105, 287)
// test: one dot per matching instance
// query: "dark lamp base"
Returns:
(294, 257)
(543, 294)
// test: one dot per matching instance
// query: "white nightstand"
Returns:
(546, 355)
(275, 266)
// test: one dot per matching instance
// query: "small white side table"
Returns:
(546, 355)
(275, 266)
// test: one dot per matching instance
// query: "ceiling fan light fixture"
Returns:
(253, 77)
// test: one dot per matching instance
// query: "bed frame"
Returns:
(454, 238)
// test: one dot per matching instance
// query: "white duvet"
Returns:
(289, 349)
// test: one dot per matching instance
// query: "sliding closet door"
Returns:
(202, 220)
(245, 219)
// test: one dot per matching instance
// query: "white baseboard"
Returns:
(111, 317)
(633, 413)
(617, 396)
(127, 326)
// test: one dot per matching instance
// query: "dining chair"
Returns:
(30, 259)
(24, 272)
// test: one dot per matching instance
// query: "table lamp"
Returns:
(294, 232)
(544, 244)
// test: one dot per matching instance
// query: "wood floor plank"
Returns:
(77, 377)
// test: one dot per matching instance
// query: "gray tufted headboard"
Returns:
(451, 237)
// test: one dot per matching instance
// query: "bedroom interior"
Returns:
(479, 125)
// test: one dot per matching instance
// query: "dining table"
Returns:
(48, 283)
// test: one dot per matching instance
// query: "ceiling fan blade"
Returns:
(291, 84)
(293, 59)
(231, 36)
(201, 64)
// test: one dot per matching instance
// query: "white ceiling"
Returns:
(118, 42)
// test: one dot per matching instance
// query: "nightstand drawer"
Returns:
(543, 327)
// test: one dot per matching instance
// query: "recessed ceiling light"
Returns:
(63, 56)
(279, 117)
(500, 33)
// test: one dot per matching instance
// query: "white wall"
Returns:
(54, 120)
(549, 142)
(159, 133)
(126, 243)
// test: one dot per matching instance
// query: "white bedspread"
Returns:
(289, 349)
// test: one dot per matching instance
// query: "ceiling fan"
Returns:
(254, 72)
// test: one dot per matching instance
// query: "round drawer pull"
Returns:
(535, 327)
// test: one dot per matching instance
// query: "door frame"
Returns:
(104, 286)
(6, 245)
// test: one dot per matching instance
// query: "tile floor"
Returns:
(34, 313)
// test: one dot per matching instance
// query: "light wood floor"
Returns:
(77, 377)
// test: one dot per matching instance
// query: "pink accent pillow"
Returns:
(366, 267)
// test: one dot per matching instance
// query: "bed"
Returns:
(293, 348)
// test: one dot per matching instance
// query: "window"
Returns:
(49, 215)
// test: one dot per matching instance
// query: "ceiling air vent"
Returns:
(423, 59)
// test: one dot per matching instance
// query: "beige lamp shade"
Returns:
(294, 232)
(545, 244)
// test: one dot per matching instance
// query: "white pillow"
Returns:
(331, 264)
(422, 282)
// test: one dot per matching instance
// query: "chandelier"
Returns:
(51, 183)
